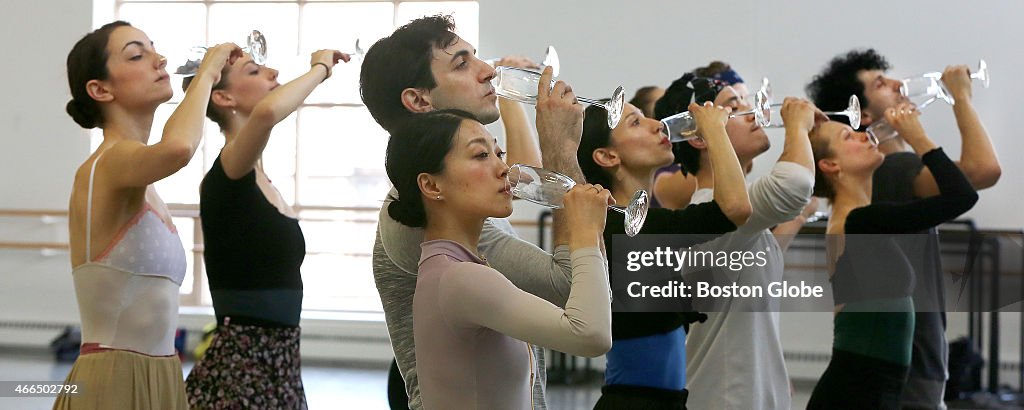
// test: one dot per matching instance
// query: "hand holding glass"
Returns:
(548, 188)
(683, 127)
(519, 84)
(256, 46)
(928, 87)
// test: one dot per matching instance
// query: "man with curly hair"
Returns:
(903, 177)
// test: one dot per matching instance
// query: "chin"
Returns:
(667, 161)
(487, 115)
(502, 209)
(165, 96)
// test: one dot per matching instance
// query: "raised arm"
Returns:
(730, 189)
(799, 116)
(781, 195)
(560, 126)
(481, 296)
(519, 137)
(583, 327)
(239, 155)
(956, 195)
(978, 159)
(182, 133)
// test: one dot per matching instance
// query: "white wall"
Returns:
(606, 43)
(41, 148)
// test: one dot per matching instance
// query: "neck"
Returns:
(706, 175)
(444, 224)
(852, 191)
(235, 124)
(627, 183)
(122, 124)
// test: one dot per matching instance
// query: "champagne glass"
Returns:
(881, 131)
(925, 90)
(928, 87)
(852, 112)
(682, 126)
(550, 60)
(256, 46)
(357, 54)
(520, 84)
(548, 188)
(766, 88)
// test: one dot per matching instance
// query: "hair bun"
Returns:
(81, 114)
(407, 213)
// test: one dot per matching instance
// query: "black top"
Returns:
(253, 252)
(894, 182)
(702, 222)
(868, 261)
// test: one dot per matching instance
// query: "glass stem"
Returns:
(619, 208)
(738, 114)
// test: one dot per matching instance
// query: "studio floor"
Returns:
(328, 386)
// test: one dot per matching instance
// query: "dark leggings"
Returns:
(855, 381)
(620, 396)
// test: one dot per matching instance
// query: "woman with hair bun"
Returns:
(128, 262)
(473, 327)
(254, 245)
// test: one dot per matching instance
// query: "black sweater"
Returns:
(700, 223)
(873, 266)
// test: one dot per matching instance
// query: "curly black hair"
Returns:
(830, 90)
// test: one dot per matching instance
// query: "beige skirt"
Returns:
(119, 379)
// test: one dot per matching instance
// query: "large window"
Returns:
(327, 158)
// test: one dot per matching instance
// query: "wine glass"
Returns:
(881, 131)
(256, 46)
(766, 88)
(519, 84)
(357, 54)
(550, 60)
(548, 188)
(852, 112)
(925, 90)
(682, 126)
(928, 87)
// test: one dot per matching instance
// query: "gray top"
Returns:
(396, 256)
(734, 359)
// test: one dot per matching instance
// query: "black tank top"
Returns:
(252, 252)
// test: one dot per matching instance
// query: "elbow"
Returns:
(263, 114)
(596, 343)
(177, 156)
(987, 176)
(738, 213)
(970, 199)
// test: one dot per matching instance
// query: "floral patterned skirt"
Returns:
(248, 367)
